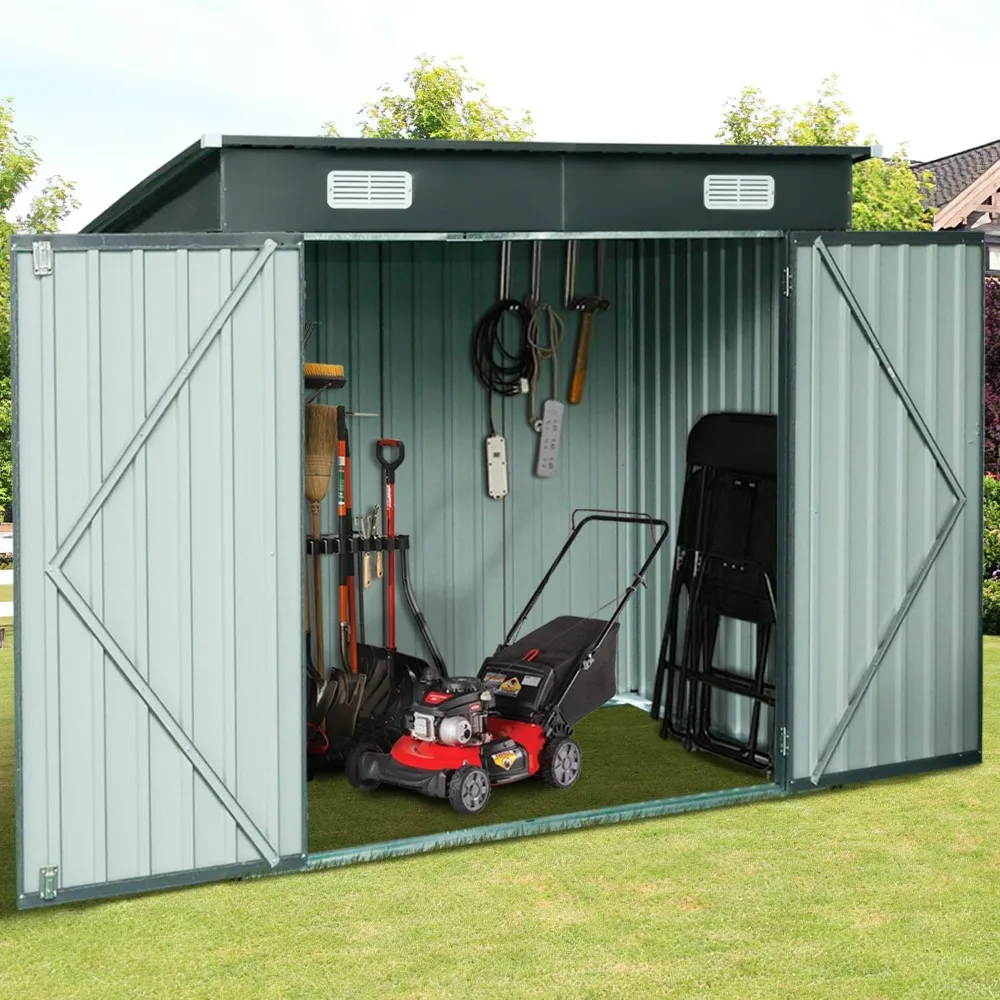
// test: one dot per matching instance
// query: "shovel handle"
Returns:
(390, 466)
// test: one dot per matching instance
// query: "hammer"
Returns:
(587, 306)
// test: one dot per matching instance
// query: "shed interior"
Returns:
(691, 328)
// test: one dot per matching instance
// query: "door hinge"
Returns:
(788, 282)
(48, 882)
(784, 741)
(41, 257)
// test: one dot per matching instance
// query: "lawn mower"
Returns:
(514, 719)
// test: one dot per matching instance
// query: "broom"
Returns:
(321, 448)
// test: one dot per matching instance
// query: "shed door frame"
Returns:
(270, 857)
(820, 774)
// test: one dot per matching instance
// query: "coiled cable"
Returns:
(502, 376)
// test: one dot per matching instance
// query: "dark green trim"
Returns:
(863, 775)
(146, 191)
(173, 880)
(518, 829)
(784, 633)
(854, 153)
(16, 499)
(155, 241)
(944, 237)
(304, 529)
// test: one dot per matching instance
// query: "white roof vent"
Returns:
(739, 192)
(369, 189)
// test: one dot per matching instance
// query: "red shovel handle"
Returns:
(389, 466)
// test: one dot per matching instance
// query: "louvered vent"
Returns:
(369, 189)
(738, 192)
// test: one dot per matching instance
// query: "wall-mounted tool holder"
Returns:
(333, 545)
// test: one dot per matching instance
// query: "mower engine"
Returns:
(451, 711)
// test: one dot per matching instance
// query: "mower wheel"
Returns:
(353, 771)
(469, 789)
(560, 762)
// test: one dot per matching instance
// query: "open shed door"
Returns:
(885, 367)
(158, 574)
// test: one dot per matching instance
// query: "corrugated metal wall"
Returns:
(692, 327)
(869, 502)
(191, 563)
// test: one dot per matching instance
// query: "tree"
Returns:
(19, 163)
(443, 102)
(887, 193)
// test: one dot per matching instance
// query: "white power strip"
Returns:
(548, 440)
(496, 466)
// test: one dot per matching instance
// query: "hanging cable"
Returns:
(541, 352)
(502, 375)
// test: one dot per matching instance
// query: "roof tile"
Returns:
(954, 173)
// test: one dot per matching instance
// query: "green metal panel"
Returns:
(692, 327)
(887, 336)
(157, 449)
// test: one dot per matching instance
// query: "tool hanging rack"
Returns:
(334, 544)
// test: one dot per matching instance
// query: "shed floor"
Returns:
(624, 761)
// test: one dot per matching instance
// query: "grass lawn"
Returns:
(6, 592)
(878, 891)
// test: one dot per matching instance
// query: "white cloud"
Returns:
(128, 85)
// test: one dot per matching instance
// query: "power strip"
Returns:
(496, 466)
(548, 440)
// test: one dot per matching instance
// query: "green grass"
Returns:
(624, 761)
(877, 891)
(6, 592)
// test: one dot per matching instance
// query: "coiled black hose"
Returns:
(503, 376)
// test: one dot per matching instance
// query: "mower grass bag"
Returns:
(514, 719)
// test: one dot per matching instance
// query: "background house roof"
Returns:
(954, 173)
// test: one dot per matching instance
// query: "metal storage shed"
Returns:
(158, 466)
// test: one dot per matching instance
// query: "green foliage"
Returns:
(991, 554)
(887, 194)
(19, 163)
(991, 525)
(442, 102)
(991, 607)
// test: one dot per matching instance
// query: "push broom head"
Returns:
(321, 449)
(319, 376)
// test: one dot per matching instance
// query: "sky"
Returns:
(111, 89)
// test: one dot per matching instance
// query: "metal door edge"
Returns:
(519, 829)
(150, 883)
(155, 241)
(925, 765)
(784, 633)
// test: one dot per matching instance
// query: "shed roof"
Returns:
(178, 174)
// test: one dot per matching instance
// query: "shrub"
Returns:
(991, 607)
(991, 525)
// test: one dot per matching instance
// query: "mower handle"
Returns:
(621, 517)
